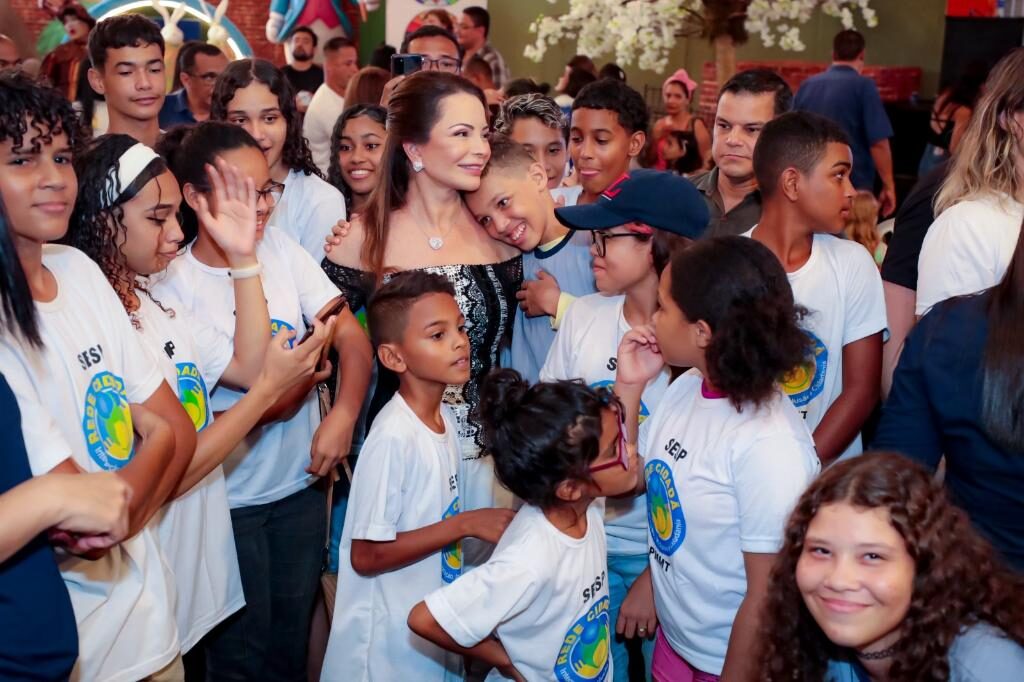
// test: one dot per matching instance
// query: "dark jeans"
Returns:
(280, 554)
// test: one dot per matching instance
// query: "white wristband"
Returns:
(246, 272)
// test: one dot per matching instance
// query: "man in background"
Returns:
(302, 73)
(842, 94)
(472, 30)
(200, 64)
(340, 65)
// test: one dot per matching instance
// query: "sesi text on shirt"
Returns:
(92, 365)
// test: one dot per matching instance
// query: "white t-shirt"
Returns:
(719, 483)
(544, 594)
(585, 348)
(967, 249)
(307, 210)
(407, 479)
(318, 124)
(91, 367)
(842, 290)
(571, 195)
(195, 529)
(269, 464)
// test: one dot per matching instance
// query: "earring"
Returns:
(417, 165)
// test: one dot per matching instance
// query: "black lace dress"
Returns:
(487, 296)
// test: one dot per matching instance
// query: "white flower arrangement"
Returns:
(644, 31)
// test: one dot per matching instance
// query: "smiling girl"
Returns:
(254, 94)
(357, 145)
(881, 579)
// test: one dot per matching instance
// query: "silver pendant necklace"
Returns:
(436, 243)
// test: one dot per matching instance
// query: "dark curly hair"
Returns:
(188, 149)
(737, 286)
(17, 309)
(334, 175)
(239, 74)
(99, 230)
(28, 108)
(958, 579)
(540, 435)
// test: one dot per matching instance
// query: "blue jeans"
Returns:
(280, 553)
(622, 572)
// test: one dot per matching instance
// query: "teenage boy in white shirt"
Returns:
(403, 529)
(127, 55)
(802, 162)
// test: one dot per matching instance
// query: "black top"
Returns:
(487, 296)
(308, 80)
(912, 222)
(935, 409)
(38, 637)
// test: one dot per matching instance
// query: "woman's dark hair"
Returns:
(539, 435)
(334, 174)
(188, 149)
(756, 339)
(241, 73)
(958, 581)
(381, 56)
(16, 304)
(613, 71)
(98, 230)
(413, 110)
(525, 86)
(578, 79)
(1002, 370)
(690, 162)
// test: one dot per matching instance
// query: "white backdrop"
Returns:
(401, 12)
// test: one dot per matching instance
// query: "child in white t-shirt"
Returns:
(127, 205)
(106, 407)
(635, 225)
(802, 162)
(538, 609)
(727, 454)
(278, 515)
(403, 528)
(254, 94)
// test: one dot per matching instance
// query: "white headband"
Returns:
(129, 167)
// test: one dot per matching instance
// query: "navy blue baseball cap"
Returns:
(658, 199)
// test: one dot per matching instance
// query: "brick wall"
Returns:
(895, 83)
(250, 16)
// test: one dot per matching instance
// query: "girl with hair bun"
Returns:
(538, 609)
(256, 95)
(727, 453)
(881, 579)
(125, 219)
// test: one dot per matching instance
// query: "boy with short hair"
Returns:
(514, 205)
(537, 122)
(403, 530)
(127, 55)
(802, 162)
(608, 131)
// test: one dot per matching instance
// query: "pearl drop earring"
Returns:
(417, 165)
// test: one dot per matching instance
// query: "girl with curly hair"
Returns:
(256, 95)
(882, 579)
(125, 219)
(104, 407)
(277, 512)
(727, 453)
(357, 147)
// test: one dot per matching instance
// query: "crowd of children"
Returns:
(673, 417)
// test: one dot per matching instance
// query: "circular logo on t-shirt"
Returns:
(451, 555)
(193, 395)
(107, 423)
(664, 513)
(278, 325)
(805, 382)
(610, 385)
(586, 648)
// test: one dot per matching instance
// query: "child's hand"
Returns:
(637, 616)
(285, 367)
(234, 226)
(338, 232)
(486, 524)
(639, 358)
(539, 296)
